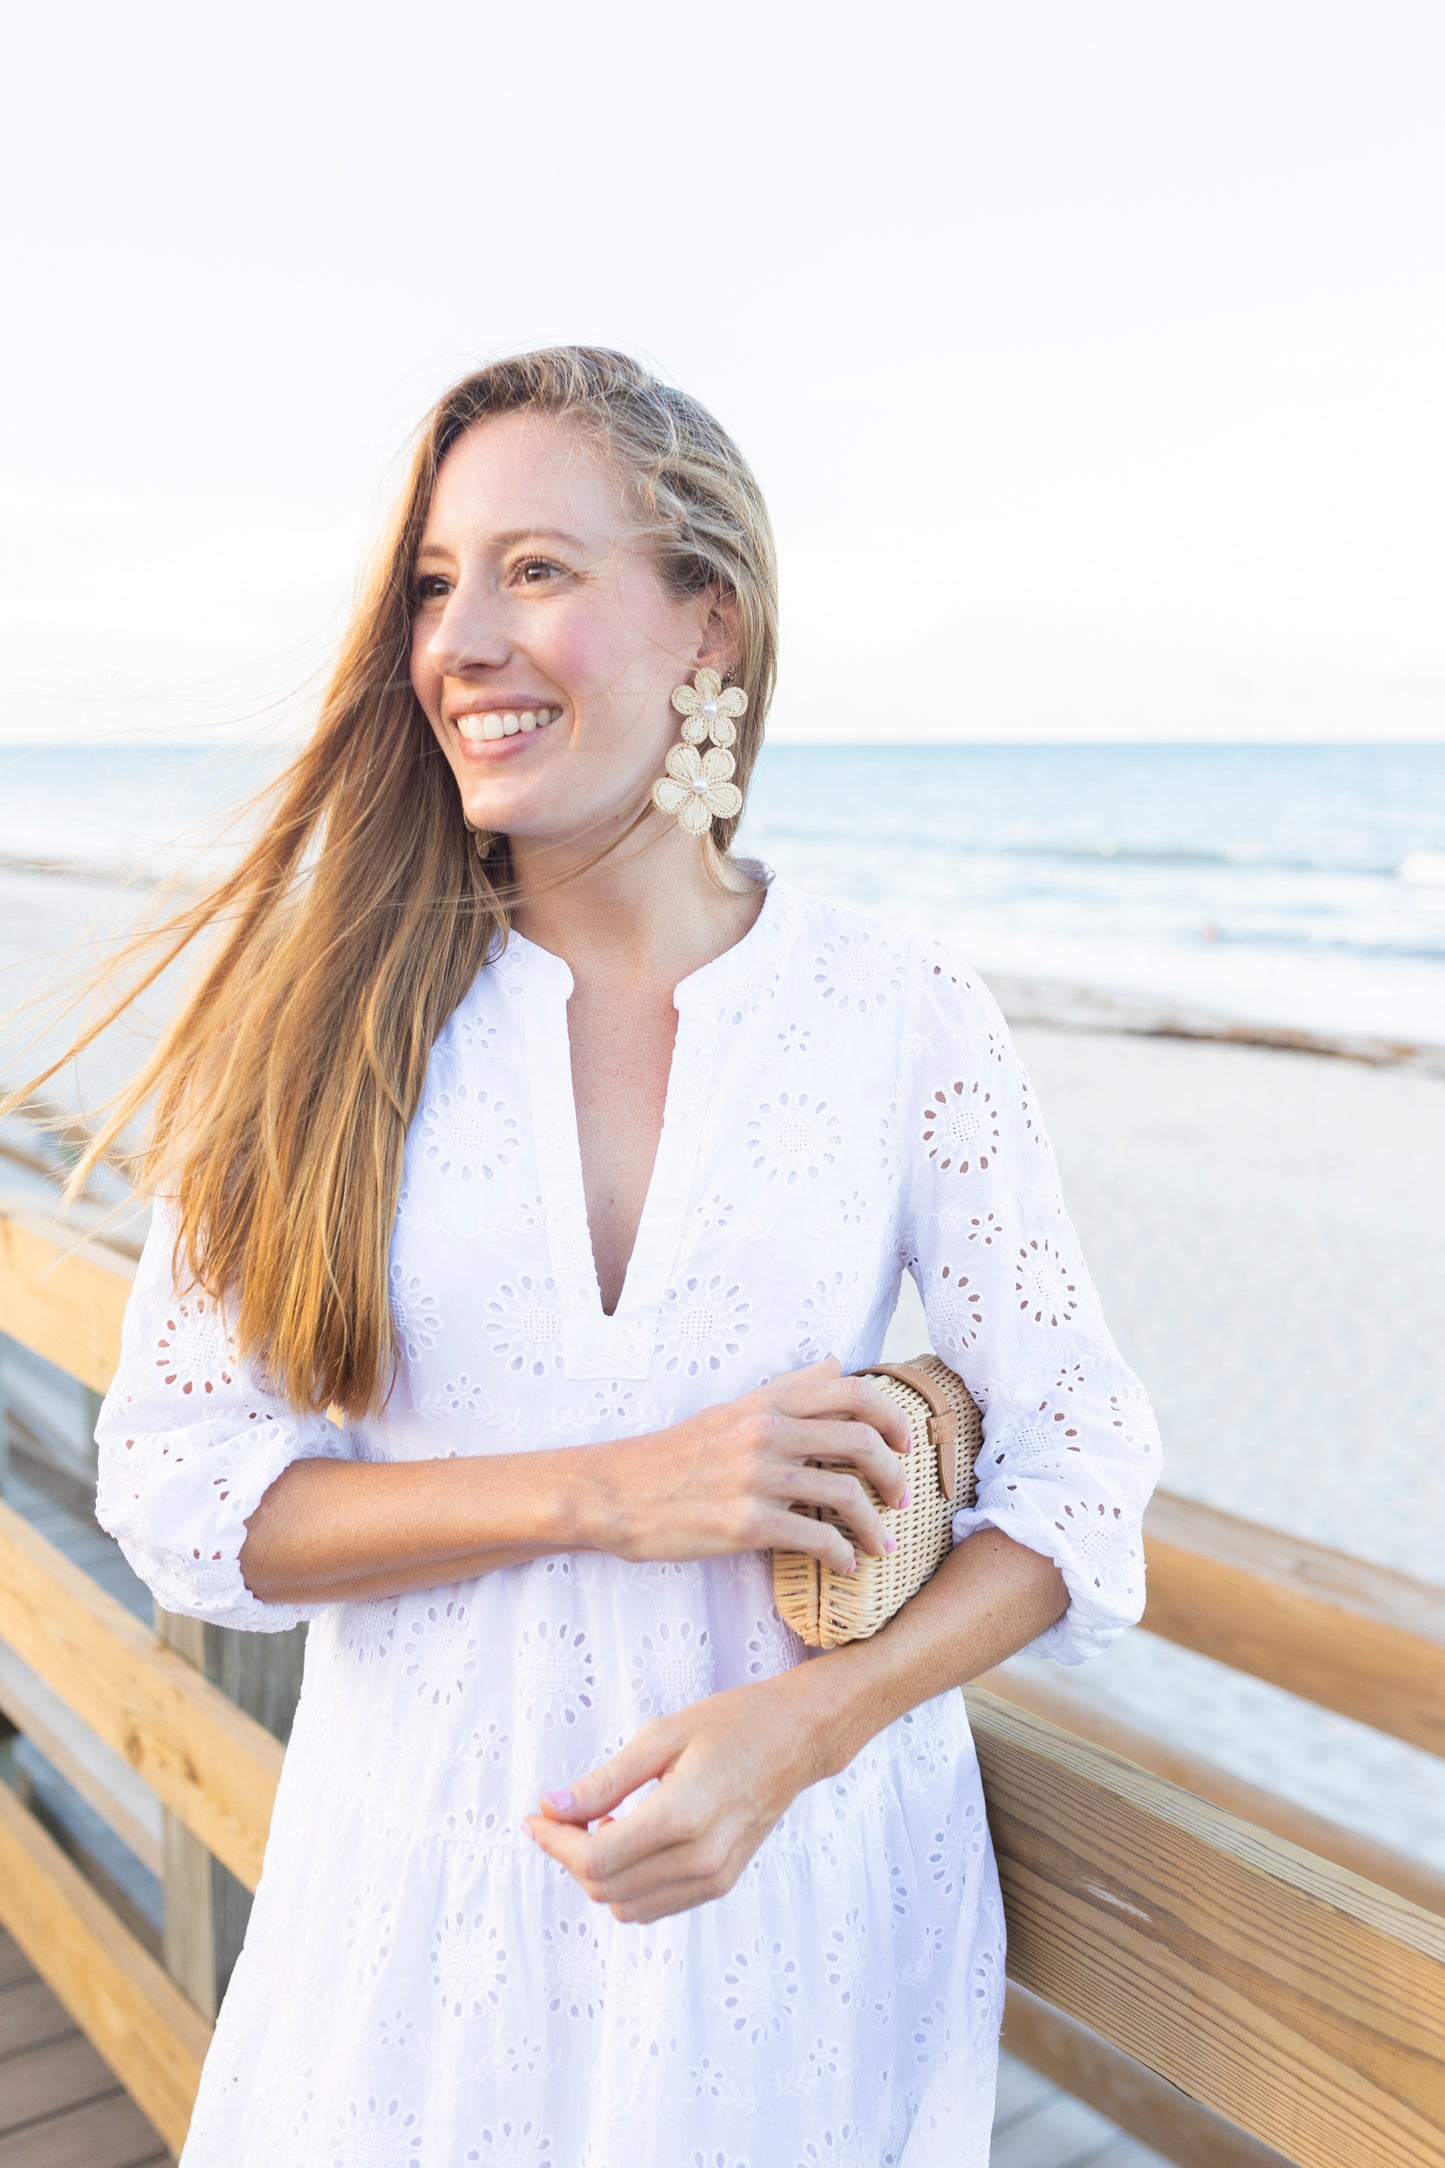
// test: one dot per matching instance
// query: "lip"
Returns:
(482, 749)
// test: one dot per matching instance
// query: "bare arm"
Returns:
(724, 1480)
(335, 1531)
(990, 1598)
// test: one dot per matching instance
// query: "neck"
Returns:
(649, 910)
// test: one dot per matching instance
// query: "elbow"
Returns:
(182, 1520)
(192, 1581)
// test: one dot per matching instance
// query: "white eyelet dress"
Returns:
(420, 1986)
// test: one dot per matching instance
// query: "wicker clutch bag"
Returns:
(826, 1607)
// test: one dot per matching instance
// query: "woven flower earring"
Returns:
(698, 787)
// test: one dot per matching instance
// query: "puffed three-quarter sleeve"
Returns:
(189, 1441)
(1071, 1448)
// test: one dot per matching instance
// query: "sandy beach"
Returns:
(1266, 1234)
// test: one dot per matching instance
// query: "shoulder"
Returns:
(849, 954)
(839, 962)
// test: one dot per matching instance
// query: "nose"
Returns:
(470, 633)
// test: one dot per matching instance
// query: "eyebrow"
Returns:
(511, 538)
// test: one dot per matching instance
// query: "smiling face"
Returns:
(545, 645)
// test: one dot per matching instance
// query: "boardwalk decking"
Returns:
(59, 2105)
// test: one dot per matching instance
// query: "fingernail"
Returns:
(852, 1565)
(903, 1501)
(560, 1800)
(890, 1543)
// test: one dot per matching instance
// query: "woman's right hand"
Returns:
(727, 1479)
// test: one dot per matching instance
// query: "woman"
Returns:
(571, 1163)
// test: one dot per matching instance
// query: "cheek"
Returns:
(579, 652)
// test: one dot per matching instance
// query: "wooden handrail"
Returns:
(215, 1767)
(1147, 2107)
(61, 1296)
(1303, 2004)
(1071, 1706)
(1335, 1630)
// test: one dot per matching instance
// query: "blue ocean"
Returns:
(1293, 885)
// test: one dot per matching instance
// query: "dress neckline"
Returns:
(718, 972)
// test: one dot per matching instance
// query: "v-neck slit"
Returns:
(594, 1344)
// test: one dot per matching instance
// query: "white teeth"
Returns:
(490, 727)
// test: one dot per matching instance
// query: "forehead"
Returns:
(524, 471)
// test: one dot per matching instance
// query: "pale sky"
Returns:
(1091, 356)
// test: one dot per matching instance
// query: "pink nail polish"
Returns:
(890, 1543)
(903, 1501)
(560, 1800)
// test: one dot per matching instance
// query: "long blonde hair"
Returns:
(281, 1091)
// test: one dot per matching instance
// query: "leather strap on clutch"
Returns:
(942, 1419)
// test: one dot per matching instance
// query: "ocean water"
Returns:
(1300, 885)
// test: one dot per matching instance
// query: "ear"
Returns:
(718, 641)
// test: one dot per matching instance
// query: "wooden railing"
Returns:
(1217, 1970)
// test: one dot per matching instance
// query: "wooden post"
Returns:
(206, 1908)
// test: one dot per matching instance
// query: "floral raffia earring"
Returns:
(698, 787)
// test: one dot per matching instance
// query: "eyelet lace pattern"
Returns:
(420, 1986)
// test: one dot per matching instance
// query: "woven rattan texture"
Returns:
(825, 1607)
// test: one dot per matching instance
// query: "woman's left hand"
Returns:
(728, 1767)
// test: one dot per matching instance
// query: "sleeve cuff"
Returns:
(184, 1536)
(1093, 1620)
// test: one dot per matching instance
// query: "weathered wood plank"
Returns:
(14, 1965)
(1140, 2104)
(1072, 1707)
(1333, 1629)
(135, 2018)
(62, 1297)
(207, 1910)
(107, 2133)
(214, 1767)
(29, 2017)
(58, 2075)
(1300, 2002)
